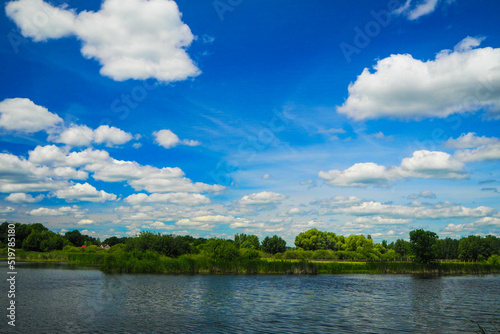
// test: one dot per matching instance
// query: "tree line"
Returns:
(423, 246)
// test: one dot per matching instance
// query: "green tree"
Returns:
(447, 248)
(221, 249)
(115, 241)
(274, 245)
(402, 247)
(423, 245)
(314, 239)
(43, 241)
(246, 241)
(470, 248)
(357, 243)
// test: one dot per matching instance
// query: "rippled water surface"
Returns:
(65, 299)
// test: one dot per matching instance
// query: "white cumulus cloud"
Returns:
(463, 80)
(176, 198)
(61, 211)
(23, 198)
(475, 148)
(264, 197)
(82, 135)
(111, 136)
(84, 192)
(168, 139)
(423, 164)
(23, 115)
(131, 39)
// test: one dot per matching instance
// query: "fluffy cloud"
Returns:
(152, 45)
(151, 179)
(47, 155)
(84, 192)
(483, 224)
(7, 209)
(359, 175)
(470, 140)
(62, 211)
(379, 220)
(86, 157)
(158, 225)
(338, 201)
(85, 222)
(176, 198)
(111, 136)
(421, 8)
(23, 198)
(208, 222)
(23, 115)
(107, 169)
(82, 135)
(423, 164)
(427, 164)
(76, 135)
(458, 81)
(168, 139)
(20, 175)
(417, 210)
(264, 197)
(475, 148)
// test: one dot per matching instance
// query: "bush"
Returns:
(249, 253)
(323, 254)
(221, 249)
(494, 260)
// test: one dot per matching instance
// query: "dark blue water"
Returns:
(64, 299)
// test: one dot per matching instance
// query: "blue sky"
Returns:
(226, 117)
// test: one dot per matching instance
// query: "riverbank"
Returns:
(151, 262)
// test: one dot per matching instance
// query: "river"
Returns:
(56, 298)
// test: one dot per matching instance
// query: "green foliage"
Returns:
(391, 255)
(470, 248)
(169, 245)
(358, 243)
(78, 239)
(423, 245)
(249, 253)
(494, 260)
(43, 240)
(323, 254)
(221, 249)
(246, 241)
(114, 241)
(401, 247)
(314, 239)
(274, 245)
(447, 249)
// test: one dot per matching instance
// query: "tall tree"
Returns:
(314, 239)
(274, 245)
(423, 245)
